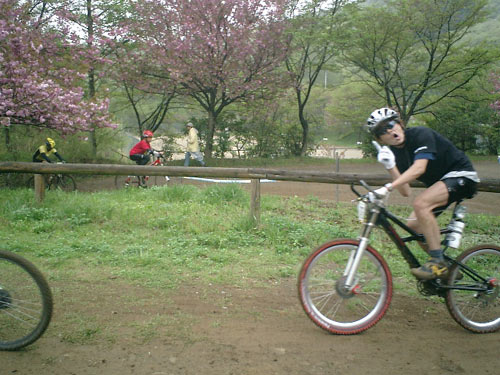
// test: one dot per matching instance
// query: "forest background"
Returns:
(266, 78)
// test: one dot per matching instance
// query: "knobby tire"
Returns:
(476, 311)
(25, 302)
(333, 309)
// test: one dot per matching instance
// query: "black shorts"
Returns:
(459, 188)
(140, 159)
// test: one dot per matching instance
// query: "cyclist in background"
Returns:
(420, 153)
(44, 151)
(142, 151)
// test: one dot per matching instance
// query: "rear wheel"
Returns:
(62, 182)
(476, 306)
(329, 303)
(25, 302)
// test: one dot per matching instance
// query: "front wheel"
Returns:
(329, 303)
(25, 302)
(474, 300)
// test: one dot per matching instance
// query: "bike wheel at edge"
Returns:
(476, 311)
(25, 302)
(328, 305)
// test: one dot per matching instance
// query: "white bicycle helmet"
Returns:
(378, 116)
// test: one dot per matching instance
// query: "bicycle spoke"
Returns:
(324, 298)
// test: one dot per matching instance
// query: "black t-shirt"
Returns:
(443, 156)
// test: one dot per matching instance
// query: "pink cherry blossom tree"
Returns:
(217, 52)
(40, 75)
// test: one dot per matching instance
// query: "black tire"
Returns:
(62, 182)
(476, 311)
(25, 302)
(31, 182)
(331, 307)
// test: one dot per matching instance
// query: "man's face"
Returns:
(392, 134)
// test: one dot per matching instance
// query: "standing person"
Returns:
(193, 147)
(422, 154)
(141, 152)
(44, 151)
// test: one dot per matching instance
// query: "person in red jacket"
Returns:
(141, 152)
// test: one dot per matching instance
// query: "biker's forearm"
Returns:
(58, 156)
(45, 157)
(403, 188)
(411, 174)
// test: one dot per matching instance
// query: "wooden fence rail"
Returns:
(255, 174)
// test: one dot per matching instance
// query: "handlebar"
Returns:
(372, 196)
(365, 185)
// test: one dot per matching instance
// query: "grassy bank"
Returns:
(170, 235)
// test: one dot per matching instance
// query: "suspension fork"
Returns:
(356, 255)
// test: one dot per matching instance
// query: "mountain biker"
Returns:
(422, 154)
(44, 151)
(142, 151)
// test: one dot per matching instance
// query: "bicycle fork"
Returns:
(356, 255)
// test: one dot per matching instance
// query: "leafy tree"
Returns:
(412, 52)
(462, 122)
(93, 24)
(216, 52)
(312, 26)
(39, 75)
(146, 90)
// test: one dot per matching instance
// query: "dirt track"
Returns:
(226, 330)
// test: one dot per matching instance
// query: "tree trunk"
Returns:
(8, 145)
(209, 141)
(305, 131)
(91, 76)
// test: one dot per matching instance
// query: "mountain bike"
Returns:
(345, 285)
(25, 302)
(144, 181)
(59, 181)
(63, 182)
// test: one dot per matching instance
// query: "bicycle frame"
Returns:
(381, 217)
(345, 285)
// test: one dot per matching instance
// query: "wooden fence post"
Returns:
(255, 201)
(39, 188)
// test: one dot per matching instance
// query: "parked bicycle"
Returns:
(159, 160)
(345, 285)
(25, 302)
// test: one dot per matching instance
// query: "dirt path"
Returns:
(254, 332)
(201, 329)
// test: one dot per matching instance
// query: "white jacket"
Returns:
(192, 140)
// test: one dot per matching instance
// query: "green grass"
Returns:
(165, 236)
